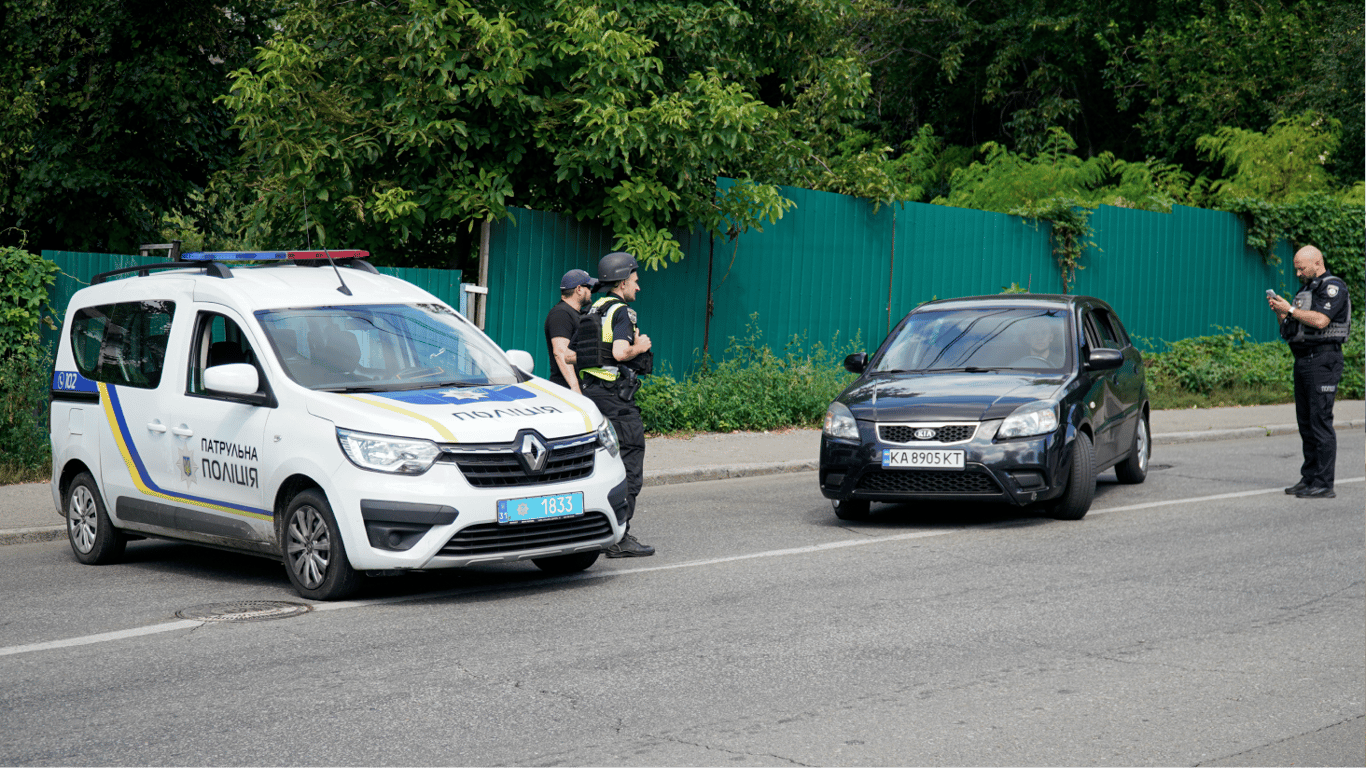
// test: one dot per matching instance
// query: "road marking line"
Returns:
(585, 576)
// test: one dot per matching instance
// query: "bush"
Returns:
(1228, 369)
(25, 367)
(752, 388)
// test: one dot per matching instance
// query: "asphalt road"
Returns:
(1203, 618)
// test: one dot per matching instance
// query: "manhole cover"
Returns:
(244, 610)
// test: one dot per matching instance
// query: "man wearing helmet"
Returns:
(612, 386)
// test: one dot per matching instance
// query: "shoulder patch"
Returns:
(1332, 290)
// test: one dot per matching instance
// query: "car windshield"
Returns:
(382, 347)
(986, 339)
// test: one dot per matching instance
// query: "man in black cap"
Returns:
(576, 290)
(626, 355)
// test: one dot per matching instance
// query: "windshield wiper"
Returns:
(965, 369)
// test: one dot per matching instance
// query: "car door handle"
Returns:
(183, 431)
(156, 426)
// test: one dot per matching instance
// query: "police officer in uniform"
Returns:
(612, 387)
(562, 322)
(1315, 326)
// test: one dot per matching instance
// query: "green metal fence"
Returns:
(837, 267)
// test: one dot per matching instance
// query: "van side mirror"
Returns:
(856, 363)
(522, 360)
(232, 379)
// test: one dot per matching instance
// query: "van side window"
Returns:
(218, 341)
(122, 344)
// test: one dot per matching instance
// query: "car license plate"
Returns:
(910, 458)
(540, 507)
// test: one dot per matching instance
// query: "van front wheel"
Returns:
(313, 551)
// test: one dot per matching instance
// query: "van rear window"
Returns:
(122, 344)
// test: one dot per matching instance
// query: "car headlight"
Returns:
(607, 438)
(380, 453)
(839, 422)
(1038, 418)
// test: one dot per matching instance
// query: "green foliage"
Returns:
(25, 367)
(24, 286)
(1228, 368)
(109, 120)
(400, 123)
(1286, 162)
(751, 388)
(24, 385)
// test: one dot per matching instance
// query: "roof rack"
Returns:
(213, 269)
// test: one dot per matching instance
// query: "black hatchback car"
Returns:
(1018, 398)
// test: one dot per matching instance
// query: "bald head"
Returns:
(1309, 263)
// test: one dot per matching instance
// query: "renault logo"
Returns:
(532, 452)
(924, 434)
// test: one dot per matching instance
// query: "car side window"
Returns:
(218, 340)
(1098, 331)
(1111, 325)
(122, 344)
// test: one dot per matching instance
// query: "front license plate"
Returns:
(909, 458)
(540, 507)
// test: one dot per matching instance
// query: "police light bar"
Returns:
(270, 255)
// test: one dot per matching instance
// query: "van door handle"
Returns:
(182, 430)
(157, 426)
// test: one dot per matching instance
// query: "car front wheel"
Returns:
(1134, 469)
(853, 510)
(1081, 482)
(313, 551)
(94, 539)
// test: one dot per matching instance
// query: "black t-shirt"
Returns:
(560, 323)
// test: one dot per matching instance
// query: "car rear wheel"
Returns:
(1081, 482)
(853, 510)
(313, 551)
(94, 539)
(1134, 469)
(567, 563)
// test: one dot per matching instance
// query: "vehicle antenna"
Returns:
(308, 239)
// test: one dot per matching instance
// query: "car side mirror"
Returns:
(1104, 359)
(232, 379)
(522, 360)
(856, 363)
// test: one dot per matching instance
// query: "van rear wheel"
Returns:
(94, 539)
(313, 550)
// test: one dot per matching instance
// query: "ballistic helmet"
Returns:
(615, 267)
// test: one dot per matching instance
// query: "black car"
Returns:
(1017, 398)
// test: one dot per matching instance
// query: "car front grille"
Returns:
(904, 434)
(499, 467)
(934, 481)
(495, 539)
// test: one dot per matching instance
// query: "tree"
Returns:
(395, 125)
(111, 120)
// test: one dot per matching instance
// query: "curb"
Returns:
(32, 535)
(736, 471)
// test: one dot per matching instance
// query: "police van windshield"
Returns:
(987, 339)
(382, 347)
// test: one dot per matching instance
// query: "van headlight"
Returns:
(607, 438)
(839, 422)
(381, 453)
(1038, 418)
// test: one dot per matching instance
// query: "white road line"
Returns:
(586, 575)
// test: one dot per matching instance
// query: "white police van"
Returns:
(340, 420)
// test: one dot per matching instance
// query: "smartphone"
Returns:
(1270, 293)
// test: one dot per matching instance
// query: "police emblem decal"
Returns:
(1332, 290)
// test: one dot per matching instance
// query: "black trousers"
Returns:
(625, 417)
(1317, 373)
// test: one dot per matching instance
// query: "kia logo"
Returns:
(924, 434)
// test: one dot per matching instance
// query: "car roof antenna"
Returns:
(308, 239)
